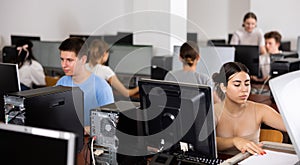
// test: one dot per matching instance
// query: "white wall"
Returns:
(56, 19)
(281, 15)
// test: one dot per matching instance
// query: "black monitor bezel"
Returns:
(203, 90)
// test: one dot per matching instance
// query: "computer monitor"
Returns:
(249, 56)
(87, 38)
(192, 37)
(30, 145)
(179, 112)
(131, 59)
(16, 38)
(10, 83)
(211, 59)
(125, 38)
(48, 54)
(9, 54)
(286, 92)
(57, 108)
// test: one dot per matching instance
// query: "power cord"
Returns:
(92, 150)
(262, 87)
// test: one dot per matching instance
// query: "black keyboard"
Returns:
(188, 159)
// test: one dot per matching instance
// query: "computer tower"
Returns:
(111, 124)
(283, 66)
(57, 108)
(160, 66)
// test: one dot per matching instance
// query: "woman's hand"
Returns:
(245, 145)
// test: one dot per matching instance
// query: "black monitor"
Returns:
(249, 56)
(178, 112)
(9, 54)
(87, 38)
(192, 37)
(125, 38)
(57, 108)
(29, 145)
(16, 38)
(9, 83)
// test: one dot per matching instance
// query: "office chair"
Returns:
(51, 81)
(270, 135)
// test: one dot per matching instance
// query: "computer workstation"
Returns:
(174, 119)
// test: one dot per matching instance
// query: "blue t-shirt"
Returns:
(97, 92)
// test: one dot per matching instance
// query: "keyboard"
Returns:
(189, 159)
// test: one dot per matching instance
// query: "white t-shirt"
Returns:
(32, 74)
(102, 71)
(242, 37)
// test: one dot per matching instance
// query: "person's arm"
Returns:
(262, 50)
(37, 74)
(241, 144)
(271, 117)
(115, 82)
(234, 39)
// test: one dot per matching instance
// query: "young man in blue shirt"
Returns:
(97, 92)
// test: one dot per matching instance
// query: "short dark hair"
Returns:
(76, 45)
(189, 51)
(273, 34)
(226, 71)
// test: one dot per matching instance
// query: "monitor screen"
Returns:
(16, 38)
(192, 37)
(9, 83)
(9, 54)
(131, 60)
(179, 112)
(48, 55)
(58, 108)
(29, 145)
(249, 56)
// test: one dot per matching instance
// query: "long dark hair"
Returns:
(227, 70)
(24, 49)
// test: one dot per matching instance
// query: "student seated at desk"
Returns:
(190, 56)
(31, 71)
(97, 92)
(249, 34)
(272, 44)
(99, 52)
(238, 120)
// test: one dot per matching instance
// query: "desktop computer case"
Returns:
(283, 66)
(18, 105)
(106, 121)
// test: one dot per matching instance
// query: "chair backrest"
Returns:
(51, 81)
(270, 135)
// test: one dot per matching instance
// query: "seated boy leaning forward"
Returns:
(97, 92)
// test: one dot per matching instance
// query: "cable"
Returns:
(92, 150)
(262, 87)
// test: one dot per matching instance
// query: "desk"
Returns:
(83, 157)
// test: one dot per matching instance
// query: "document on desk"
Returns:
(272, 157)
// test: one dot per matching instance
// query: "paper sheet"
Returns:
(272, 157)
